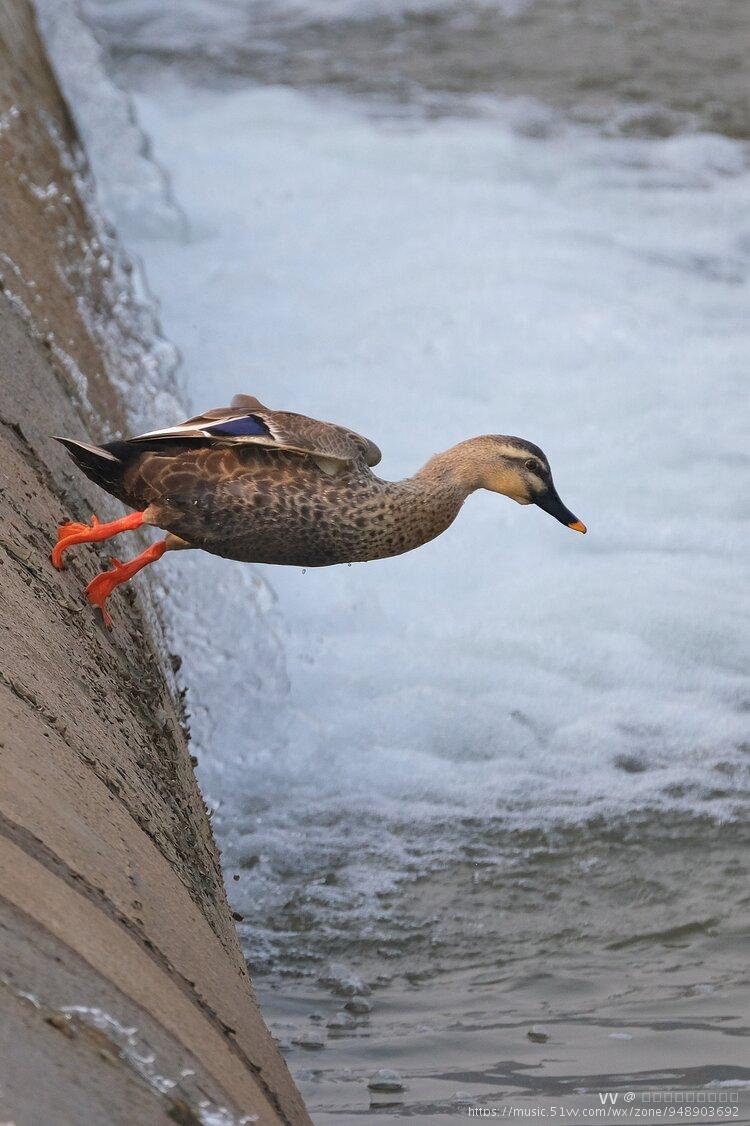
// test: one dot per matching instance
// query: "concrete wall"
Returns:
(124, 994)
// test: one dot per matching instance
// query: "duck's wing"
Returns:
(247, 421)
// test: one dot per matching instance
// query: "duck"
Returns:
(269, 486)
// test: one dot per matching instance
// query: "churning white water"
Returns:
(426, 284)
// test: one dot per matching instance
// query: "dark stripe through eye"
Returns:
(240, 428)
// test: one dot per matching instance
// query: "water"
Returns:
(503, 780)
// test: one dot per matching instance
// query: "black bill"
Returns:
(551, 503)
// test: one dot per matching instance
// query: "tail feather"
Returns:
(98, 463)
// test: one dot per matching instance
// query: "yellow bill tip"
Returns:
(577, 526)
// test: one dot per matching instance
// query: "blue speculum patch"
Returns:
(239, 427)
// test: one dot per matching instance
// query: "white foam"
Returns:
(422, 286)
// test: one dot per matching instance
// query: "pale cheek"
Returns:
(516, 491)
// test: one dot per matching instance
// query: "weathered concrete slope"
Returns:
(124, 997)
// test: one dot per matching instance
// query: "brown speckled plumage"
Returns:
(264, 486)
(264, 506)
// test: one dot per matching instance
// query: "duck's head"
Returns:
(520, 470)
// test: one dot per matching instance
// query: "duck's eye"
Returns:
(534, 466)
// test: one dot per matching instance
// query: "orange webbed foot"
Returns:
(73, 533)
(100, 588)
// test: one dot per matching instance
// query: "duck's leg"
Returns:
(100, 588)
(72, 533)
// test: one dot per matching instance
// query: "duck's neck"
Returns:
(461, 469)
(421, 507)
